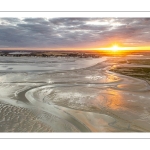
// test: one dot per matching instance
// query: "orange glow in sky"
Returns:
(113, 48)
(116, 48)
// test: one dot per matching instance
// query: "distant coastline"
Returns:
(79, 54)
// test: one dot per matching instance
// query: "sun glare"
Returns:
(115, 48)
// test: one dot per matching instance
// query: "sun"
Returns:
(114, 48)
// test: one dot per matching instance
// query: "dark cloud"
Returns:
(72, 32)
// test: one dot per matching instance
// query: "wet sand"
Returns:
(92, 99)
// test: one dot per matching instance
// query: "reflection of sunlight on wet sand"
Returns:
(114, 99)
(117, 100)
(109, 100)
(110, 78)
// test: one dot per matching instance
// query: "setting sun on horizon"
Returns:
(116, 48)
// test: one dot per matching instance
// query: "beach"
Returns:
(71, 95)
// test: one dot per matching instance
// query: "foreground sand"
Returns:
(92, 99)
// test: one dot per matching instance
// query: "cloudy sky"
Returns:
(73, 33)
